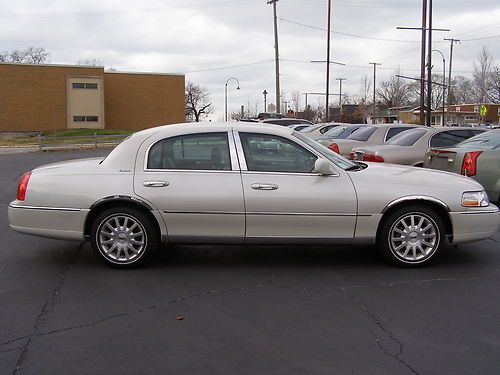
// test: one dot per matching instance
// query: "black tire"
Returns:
(124, 237)
(411, 242)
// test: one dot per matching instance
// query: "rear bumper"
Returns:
(475, 225)
(50, 222)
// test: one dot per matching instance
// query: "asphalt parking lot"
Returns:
(240, 310)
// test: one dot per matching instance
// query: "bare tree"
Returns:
(482, 75)
(462, 92)
(366, 89)
(296, 100)
(31, 55)
(495, 85)
(394, 92)
(90, 62)
(197, 101)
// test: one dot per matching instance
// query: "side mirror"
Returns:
(322, 167)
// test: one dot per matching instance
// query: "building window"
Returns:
(78, 85)
(79, 118)
(92, 118)
(81, 85)
(92, 86)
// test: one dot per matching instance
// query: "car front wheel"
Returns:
(412, 236)
(124, 237)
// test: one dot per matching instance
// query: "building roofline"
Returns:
(53, 65)
(143, 73)
(100, 67)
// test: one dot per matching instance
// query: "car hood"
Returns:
(381, 182)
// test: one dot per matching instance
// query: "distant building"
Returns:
(56, 97)
(457, 114)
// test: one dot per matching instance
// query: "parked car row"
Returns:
(470, 151)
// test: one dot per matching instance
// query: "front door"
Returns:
(285, 199)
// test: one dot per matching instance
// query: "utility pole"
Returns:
(422, 61)
(328, 60)
(340, 96)
(374, 88)
(306, 93)
(276, 56)
(429, 70)
(452, 41)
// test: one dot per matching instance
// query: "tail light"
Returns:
(375, 158)
(23, 186)
(334, 147)
(351, 155)
(469, 164)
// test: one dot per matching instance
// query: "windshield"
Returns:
(327, 153)
(484, 141)
(363, 134)
(335, 131)
(407, 138)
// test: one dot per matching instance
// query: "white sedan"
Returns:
(245, 183)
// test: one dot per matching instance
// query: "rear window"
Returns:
(393, 131)
(449, 138)
(485, 141)
(363, 134)
(407, 138)
(335, 131)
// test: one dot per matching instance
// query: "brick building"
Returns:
(56, 97)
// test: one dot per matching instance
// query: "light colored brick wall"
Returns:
(33, 97)
(139, 101)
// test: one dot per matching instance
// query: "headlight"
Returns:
(475, 199)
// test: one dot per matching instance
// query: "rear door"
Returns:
(194, 180)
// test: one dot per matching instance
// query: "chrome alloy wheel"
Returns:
(414, 237)
(121, 238)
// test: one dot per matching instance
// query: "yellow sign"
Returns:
(483, 110)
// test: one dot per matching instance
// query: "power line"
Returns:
(347, 34)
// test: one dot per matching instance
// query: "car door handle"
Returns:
(264, 186)
(155, 183)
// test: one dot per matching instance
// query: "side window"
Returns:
(393, 131)
(449, 138)
(326, 128)
(269, 153)
(209, 151)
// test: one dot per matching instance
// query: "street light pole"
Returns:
(328, 59)
(444, 83)
(340, 95)
(374, 88)
(225, 95)
(265, 100)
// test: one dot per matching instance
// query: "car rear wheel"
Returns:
(124, 237)
(412, 236)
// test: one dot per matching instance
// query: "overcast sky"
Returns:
(213, 40)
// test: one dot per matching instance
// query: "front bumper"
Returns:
(50, 222)
(475, 225)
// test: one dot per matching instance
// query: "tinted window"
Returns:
(209, 151)
(407, 138)
(393, 131)
(485, 141)
(91, 86)
(300, 127)
(269, 153)
(363, 134)
(78, 85)
(449, 138)
(335, 131)
(326, 128)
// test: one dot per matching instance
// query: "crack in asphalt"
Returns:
(50, 303)
(46, 309)
(391, 336)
